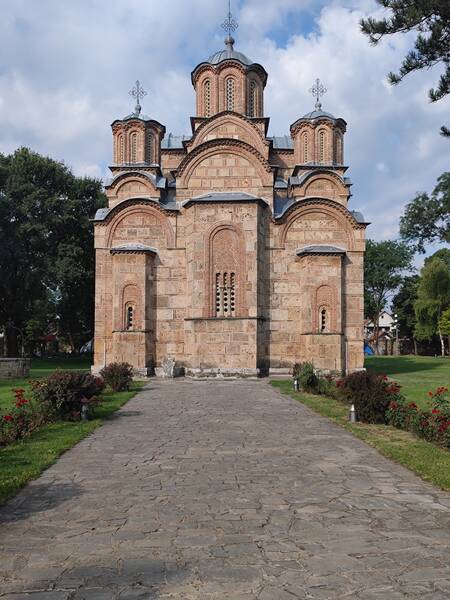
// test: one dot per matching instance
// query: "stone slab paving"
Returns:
(224, 490)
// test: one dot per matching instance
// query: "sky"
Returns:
(66, 69)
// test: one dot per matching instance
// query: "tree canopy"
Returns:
(427, 217)
(46, 244)
(431, 20)
(385, 264)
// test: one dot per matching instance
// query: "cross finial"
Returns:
(229, 25)
(318, 90)
(138, 92)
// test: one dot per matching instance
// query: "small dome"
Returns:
(317, 114)
(229, 53)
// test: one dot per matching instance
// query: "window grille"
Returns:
(322, 146)
(225, 294)
(305, 147)
(339, 152)
(207, 97)
(253, 99)
(134, 147)
(149, 146)
(129, 317)
(120, 149)
(230, 93)
(323, 320)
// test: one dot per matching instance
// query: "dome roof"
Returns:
(229, 53)
(317, 114)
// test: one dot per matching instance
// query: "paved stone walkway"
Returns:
(224, 490)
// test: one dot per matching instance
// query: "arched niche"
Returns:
(140, 223)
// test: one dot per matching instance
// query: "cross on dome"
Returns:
(138, 92)
(318, 90)
(230, 25)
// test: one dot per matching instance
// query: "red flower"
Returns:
(436, 411)
(430, 394)
(8, 418)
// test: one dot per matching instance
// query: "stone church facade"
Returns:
(229, 251)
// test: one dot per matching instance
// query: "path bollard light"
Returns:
(352, 414)
(295, 385)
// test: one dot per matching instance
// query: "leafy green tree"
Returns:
(403, 306)
(433, 298)
(431, 20)
(384, 266)
(46, 244)
(427, 217)
(445, 324)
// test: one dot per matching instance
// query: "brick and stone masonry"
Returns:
(229, 251)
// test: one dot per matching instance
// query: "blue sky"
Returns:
(66, 68)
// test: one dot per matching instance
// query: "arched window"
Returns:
(305, 147)
(253, 99)
(225, 294)
(149, 146)
(339, 149)
(322, 142)
(129, 316)
(207, 98)
(120, 149)
(229, 88)
(134, 147)
(323, 320)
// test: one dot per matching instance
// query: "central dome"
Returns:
(229, 53)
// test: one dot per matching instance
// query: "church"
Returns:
(228, 251)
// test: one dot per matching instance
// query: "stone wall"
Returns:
(11, 368)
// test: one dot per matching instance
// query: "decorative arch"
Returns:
(226, 146)
(251, 134)
(324, 309)
(329, 208)
(140, 209)
(225, 271)
(312, 183)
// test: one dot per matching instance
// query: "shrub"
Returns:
(118, 376)
(21, 419)
(68, 394)
(371, 394)
(307, 379)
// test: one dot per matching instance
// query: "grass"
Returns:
(430, 462)
(26, 459)
(40, 367)
(416, 374)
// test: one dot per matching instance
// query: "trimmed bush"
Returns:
(118, 376)
(67, 395)
(306, 376)
(371, 394)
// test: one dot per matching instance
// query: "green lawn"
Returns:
(416, 374)
(25, 460)
(427, 460)
(40, 367)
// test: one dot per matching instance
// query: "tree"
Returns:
(46, 245)
(403, 306)
(445, 324)
(431, 19)
(433, 298)
(427, 218)
(384, 267)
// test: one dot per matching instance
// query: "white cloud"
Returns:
(66, 68)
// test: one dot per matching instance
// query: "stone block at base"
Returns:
(222, 373)
(12, 368)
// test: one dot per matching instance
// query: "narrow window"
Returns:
(339, 149)
(225, 293)
(120, 149)
(323, 320)
(322, 146)
(134, 147)
(230, 93)
(253, 99)
(305, 147)
(207, 97)
(149, 146)
(129, 317)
